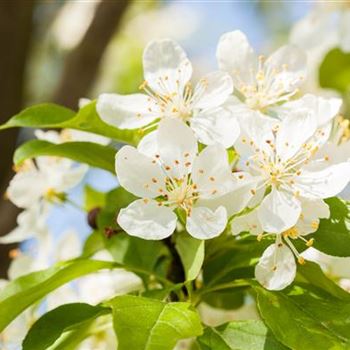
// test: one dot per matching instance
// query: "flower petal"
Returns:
(204, 223)
(127, 111)
(215, 125)
(166, 66)
(276, 268)
(247, 223)
(237, 57)
(278, 211)
(293, 132)
(177, 147)
(290, 63)
(325, 109)
(237, 198)
(146, 219)
(149, 144)
(213, 90)
(312, 212)
(211, 172)
(26, 188)
(138, 173)
(325, 183)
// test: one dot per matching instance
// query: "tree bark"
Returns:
(83, 62)
(15, 33)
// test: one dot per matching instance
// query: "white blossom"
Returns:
(173, 176)
(169, 94)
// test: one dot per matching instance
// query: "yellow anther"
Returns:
(301, 260)
(310, 242)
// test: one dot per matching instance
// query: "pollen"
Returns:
(154, 180)
(253, 192)
(176, 162)
(145, 200)
(314, 224)
(201, 171)
(187, 164)
(211, 178)
(241, 177)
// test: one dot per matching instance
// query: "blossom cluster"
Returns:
(243, 150)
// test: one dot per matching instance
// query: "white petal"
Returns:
(68, 178)
(293, 132)
(312, 212)
(294, 59)
(68, 247)
(177, 147)
(127, 111)
(344, 34)
(83, 101)
(216, 125)
(276, 268)
(324, 183)
(213, 89)
(26, 188)
(83, 136)
(20, 266)
(247, 223)
(237, 57)
(236, 199)
(50, 136)
(138, 173)
(166, 66)
(211, 172)
(146, 219)
(325, 109)
(279, 211)
(149, 144)
(204, 223)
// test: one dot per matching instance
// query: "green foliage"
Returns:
(191, 252)
(49, 115)
(333, 234)
(306, 317)
(26, 290)
(93, 198)
(150, 324)
(53, 324)
(90, 153)
(239, 335)
(335, 71)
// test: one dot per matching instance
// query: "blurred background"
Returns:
(58, 51)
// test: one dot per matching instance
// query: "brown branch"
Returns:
(83, 62)
(15, 34)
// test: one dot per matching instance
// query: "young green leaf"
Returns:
(239, 335)
(51, 325)
(333, 234)
(191, 252)
(315, 276)
(335, 71)
(306, 318)
(26, 290)
(49, 115)
(93, 198)
(150, 324)
(90, 153)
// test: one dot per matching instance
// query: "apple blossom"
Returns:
(277, 268)
(260, 83)
(169, 94)
(174, 178)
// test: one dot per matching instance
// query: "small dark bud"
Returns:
(92, 217)
(109, 232)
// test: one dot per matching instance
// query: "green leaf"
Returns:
(313, 274)
(229, 299)
(84, 152)
(93, 244)
(51, 325)
(150, 324)
(49, 115)
(335, 71)
(93, 198)
(191, 252)
(333, 234)
(239, 335)
(26, 290)
(306, 318)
